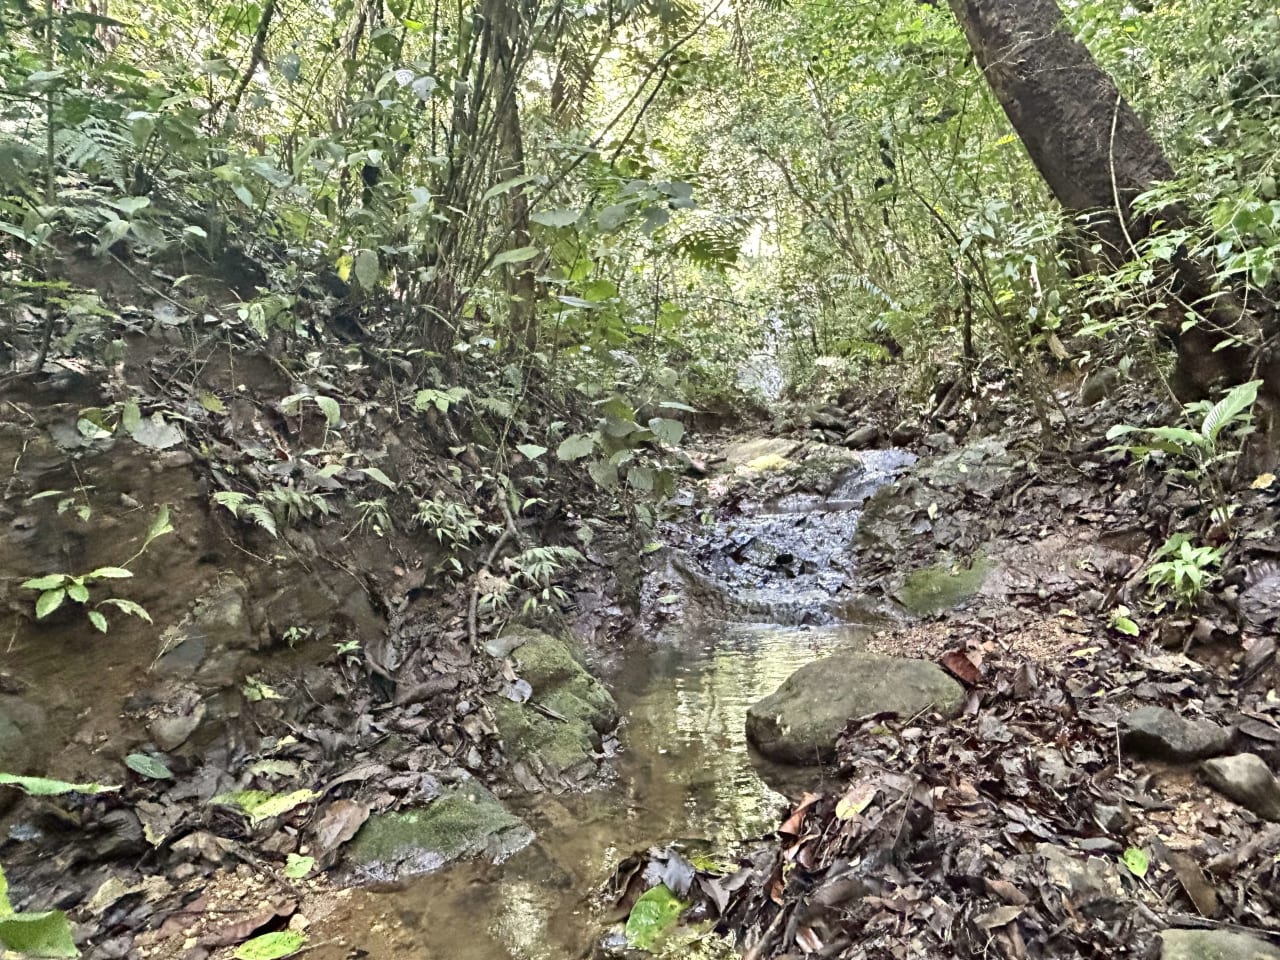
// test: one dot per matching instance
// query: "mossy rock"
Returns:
(942, 586)
(558, 741)
(465, 821)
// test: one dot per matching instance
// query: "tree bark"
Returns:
(1096, 156)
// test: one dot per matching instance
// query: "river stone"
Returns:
(1214, 945)
(1246, 779)
(801, 721)
(560, 741)
(23, 736)
(464, 821)
(1161, 734)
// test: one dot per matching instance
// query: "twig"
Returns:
(509, 532)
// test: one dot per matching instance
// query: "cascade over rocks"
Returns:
(802, 720)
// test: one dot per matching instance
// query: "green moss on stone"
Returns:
(942, 586)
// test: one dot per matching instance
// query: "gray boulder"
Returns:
(1247, 780)
(800, 722)
(1160, 734)
(1214, 945)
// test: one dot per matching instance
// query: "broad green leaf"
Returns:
(556, 218)
(373, 473)
(603, 472)
(519, 255)
(78, 592)
(668, 431)
(148, 766)
(98, 620)
(366, 268)
(212, 403)
(498, 189)
(676, 405)
(654, 913)
(271, 946)
(331, 409)
(109, 573)
(1137, 861)
(44, 787)
(575, 447)
(130, 416)
(296, 867)
(38, 934)
(159, 526)
(49, 601)
(262, 804)
(47, 582)
(1237, 401)
(1125, 626)
(531, 451)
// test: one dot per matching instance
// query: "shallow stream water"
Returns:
(685, 771)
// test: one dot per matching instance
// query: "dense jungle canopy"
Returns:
(452, 419)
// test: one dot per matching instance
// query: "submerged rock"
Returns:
(556, 733)
(1214, 945)
(1161, 734)
(1246, 779)
(801, 721)
(464, 821)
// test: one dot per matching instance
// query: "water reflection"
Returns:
(685, 772)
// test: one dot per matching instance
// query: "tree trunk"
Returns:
(1096, 156)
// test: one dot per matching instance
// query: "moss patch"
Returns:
(555, 748)
(942, 586)
(464, 821)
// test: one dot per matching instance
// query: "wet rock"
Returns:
(1214, 945)
(1099, 385)
(557, 731)
(23, 739)
(208, 644)
(906, 432)
(180, 717)
(760, 454)
(506, 643)
(801, 721)
(1160, 734)
(1246, 779)
(865, 436)
(465, 821)
(942, 586)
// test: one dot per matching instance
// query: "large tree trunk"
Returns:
(1096, 156)
(1082, 135)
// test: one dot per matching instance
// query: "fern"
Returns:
(244, 507)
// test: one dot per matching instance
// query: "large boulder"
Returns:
(1214, 945)
(464, 821)
(800, 722)
(1247, 780)
(1161, 734)
(556, 732)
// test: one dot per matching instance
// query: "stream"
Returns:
(684, 771)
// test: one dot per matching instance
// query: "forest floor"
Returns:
(289, 694)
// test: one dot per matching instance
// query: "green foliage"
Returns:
(653, 914)
(44, 787)
(1180, 570)
(56, 588)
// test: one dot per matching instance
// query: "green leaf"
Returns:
(366, 268)
(531, 451)
(262, 804)
(373, 473)
(48, 602)
(332, 411)
(1125, 626)
(38, 934)
(1237, 401)
(98, 620)
(148, 766)
(159, 526)
(519, 255)
(1137, 861)
(271, 946)
(575, 447)
(668, 431)
(129, 607)
(296, 867)
(506, 185)
(130, 416)
(44, 787)
(676, 405)
(654, 913)
(556, 218)
(47, 582)
(109, 573)
(78, 592)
